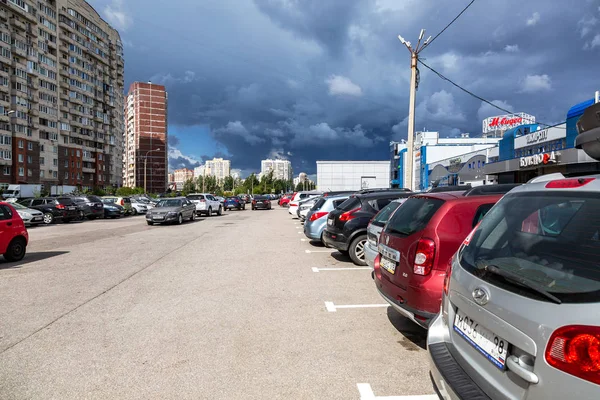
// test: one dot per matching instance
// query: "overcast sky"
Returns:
(328, 79)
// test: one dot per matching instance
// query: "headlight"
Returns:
(172, 213)
(26, 215)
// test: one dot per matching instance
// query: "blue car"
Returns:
(234, 202)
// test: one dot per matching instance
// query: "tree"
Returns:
(189, 186)
(250, 182)
(299, 187)
(228, 183)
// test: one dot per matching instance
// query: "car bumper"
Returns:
(292, 211)
(35, 220)
(336, 240)
(261, 205)
(110, 213)
(370, 254)
(159, 220)
(393, 294)
(314, 230)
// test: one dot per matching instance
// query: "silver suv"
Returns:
(519, 316)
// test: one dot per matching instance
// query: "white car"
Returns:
(206, 204)
(29, 215)
(293, 205)
(304, 206)
(138, 207)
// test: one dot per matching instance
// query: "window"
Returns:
(29, 172)
(20, 158)
(29, 160)
(480, 213)
(413, 216)
(55, 162)
(6, 170)
(54, 174)
(21, 171)
(5, 213)
(382, 216)
(66, 163)
(30, 146)
(42, 160)
(66, 175)
(21, 144)
(41, 174)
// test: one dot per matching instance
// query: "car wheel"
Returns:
(133, 211)
(209, 213)
(16, 250)
(48, 218)
(92, 217)
(180, 219)
(81, 215)
(193, 217)
(150, 223)
(253, 208)
(220, 212)
(357, 250)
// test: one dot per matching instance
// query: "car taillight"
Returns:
(424, 257)
(575, 349)
(60, 206)
(348, 215)
(293, 204)
(122, 202)
(568, 183)
(318, 215)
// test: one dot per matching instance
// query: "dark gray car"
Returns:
(174, 210)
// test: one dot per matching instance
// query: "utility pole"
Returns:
(414, 84)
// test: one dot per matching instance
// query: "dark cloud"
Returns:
(173, 140)
(329, 79)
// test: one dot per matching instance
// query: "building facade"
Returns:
(145, 138)
(199, 171)
(61, 95)
(218, 168)
(282, 169)
(180, 176)
(352, 175)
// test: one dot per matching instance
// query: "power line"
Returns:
(479, 97)
(451, 22)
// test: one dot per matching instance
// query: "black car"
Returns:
(347, 225)
(89, 207)
(261, 202)
(54, 208)
(112, 210)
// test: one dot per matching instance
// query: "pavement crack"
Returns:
(49, 324)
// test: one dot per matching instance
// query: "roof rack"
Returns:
(483, 190)
(454, 188)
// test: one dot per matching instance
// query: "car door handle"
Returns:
(521, 369)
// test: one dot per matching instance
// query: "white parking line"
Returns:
(303, 240)
(319, 251)
(315, 269)
(333, 308)
(366, 393)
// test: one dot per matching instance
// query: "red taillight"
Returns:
(318, 215)
(424, 257)
(293, 204)
(447, 277)
(60, 206)
(568, 183)
(253, 201)
(348, 215)
(575, 349)
(122, 202)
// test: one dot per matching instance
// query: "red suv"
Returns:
(13, 234)
(416, 246)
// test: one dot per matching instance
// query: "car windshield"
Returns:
(382, 216)
(169, 203)
(109, 200)
(549, 239)
(18, 206)
(413, 216)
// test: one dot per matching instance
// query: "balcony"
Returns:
(3, 15)
(89, 159)
(16, 24)
(89, 170)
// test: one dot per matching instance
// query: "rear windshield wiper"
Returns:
(521, 281)
(392, 230)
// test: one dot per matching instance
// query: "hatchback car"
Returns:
(347, 226)
(13, 234)
(124, 202)
(316, 219)
(54, 208)
(261, 202)
(91, 206)
(416, 245)
(112, 210)
(519, 315)
(29, 215)
(234, 202)
(298, 196)
(374, 230)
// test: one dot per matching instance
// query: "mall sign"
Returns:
(505, 122)
(538, 159)
(541, 136)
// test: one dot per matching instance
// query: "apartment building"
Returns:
(145, 138)
(180, 176)
(61, 102)
(282, 169)
(218, 168)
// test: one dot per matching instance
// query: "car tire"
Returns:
(81, 216)
(48, 218)
(150, 223)
(133, 211)
(220, 212)
(16, 250)
(209, 213)
(179, 219)
(193, 217)
(357, 250)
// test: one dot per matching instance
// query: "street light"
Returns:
(145, 165)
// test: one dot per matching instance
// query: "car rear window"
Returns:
(382, 216)
(65, 201)
(549, 240)
(413, 216)
(196, 197)
(350, 204)
(319, 204)
(94, 199)
(126, 200)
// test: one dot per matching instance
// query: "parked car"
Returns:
(174, 210)
(246, 198)
(147, 201)
(221, 200)
(374, 230)
(124, 202)
(89, 207)
(519, 315)
(234, 202)
(28, 215)
(347, 226)
(316, 219)
(206, 204)
(261, 202)
(137, 207)
(53, 208)
(13, 234)
(293, 204)
(304, 206)
(284, 201)
(112, 210)
(416, 245)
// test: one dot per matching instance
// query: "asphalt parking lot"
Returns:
(240, 306)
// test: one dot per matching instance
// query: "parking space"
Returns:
(224, 307)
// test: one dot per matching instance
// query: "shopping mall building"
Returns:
(521, 149)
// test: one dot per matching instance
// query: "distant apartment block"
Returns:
(199, 171)
(218, 168)
(145, 137)
(282, 169)
(61, 95)
(180, 176)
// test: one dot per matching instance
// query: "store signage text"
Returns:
(537, 137)
(541, 136)
(537, 159)
(496, 122)
(505, 122)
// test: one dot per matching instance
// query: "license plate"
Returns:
(388, 265)
(37, 219)
(492, 346)
(159, 217)
(329, 222)
(72, 208)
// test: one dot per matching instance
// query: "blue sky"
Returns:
(328, 79)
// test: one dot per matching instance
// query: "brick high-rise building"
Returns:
(61, 95)
(146, 137)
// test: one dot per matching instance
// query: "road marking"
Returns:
(315, 269)
(303, 240)
(366, 393)
(319, 251)
(333, 308)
